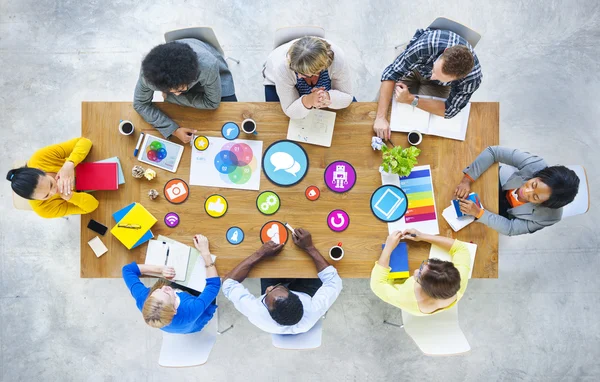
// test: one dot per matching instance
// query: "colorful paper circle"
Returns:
(230, 131)
(172, 220)
(234, 235)
(216, 205)
(201, 143)
(235, 162)
(285, 163)
(389, 203)
(268, 202)
(312, 193)
(340, 176)
(176, 191)
(274, 231)
(338, 220)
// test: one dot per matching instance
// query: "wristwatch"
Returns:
(209, 265)
(415, 101)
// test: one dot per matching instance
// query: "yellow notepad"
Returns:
(138, 216)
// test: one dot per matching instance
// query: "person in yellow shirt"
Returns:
(48, 180)
(436, 286)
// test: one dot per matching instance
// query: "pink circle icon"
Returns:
(338, 220)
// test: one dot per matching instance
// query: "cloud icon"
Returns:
(284, 161)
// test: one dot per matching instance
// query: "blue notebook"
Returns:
(120, 214)
(399, 262)
(472, 197)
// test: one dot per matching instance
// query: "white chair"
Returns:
(437, 334)
(468, 34)
(187, 350)
(287, 34)
(18, 202)
(302, 341)
(581, 203)
(204, 34)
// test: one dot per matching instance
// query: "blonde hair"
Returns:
(310, 55)
(154, 311)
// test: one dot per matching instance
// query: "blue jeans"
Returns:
(231, 98)
(271, 94)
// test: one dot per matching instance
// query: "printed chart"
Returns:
(227, 164)
(421, 212)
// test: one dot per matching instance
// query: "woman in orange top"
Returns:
(48, 180)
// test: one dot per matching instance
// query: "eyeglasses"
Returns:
(272, 289)
(418, 278)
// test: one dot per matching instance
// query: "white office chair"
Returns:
(18, 202)
(204, 34)
(302, 341)
(468, 34)
(437, 334)
(580, 205)
(188, 350)
(287, 34)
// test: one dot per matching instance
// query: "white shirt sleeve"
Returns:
(240, 296)
(328, 292)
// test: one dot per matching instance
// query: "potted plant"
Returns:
(398, 160)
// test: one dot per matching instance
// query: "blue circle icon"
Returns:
(235, 235)
(230, 131)
(285, 163)
(389, 203)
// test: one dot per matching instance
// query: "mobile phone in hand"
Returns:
(97, 227)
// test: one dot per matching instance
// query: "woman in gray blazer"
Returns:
(530, 199)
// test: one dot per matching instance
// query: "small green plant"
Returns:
(398, 160)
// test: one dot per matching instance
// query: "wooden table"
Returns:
(351, 142)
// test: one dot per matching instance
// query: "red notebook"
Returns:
(96, 176)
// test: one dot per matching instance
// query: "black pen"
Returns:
(168, 249)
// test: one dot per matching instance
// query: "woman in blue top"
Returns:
(169, 309)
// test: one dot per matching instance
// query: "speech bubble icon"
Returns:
(294, 169)
(282, 160)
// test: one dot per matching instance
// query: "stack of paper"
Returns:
(133, 225)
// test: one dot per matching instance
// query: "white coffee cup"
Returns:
(412, 134)
(126, 124)
(249, 122)
(336, 250)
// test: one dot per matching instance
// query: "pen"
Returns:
(139, 143)
(130, 226)
(289, 227)
(168, 249)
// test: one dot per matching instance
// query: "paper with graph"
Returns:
(316, 128)
(405, 118)
(421, 213)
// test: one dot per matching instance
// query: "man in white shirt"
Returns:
(281, 310)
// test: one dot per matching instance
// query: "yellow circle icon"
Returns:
(201, 143)
(215, 206)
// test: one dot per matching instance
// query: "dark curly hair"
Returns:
(563, 182)
(458, 61)
(287, 310)
(171, 65)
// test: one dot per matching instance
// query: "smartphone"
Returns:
(97, 227)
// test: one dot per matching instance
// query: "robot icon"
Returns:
(340, 176)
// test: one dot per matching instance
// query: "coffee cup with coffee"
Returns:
(415, 137)
(336, 252)
(126, 127)
(249, 126)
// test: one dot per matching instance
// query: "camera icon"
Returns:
(176, 190)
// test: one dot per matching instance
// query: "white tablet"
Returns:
(160, 153)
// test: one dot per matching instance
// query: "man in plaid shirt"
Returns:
(437, 63)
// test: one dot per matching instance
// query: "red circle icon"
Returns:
(274, 231)
(312, 193)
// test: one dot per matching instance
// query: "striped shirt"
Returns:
(424, 48)
(323, 82)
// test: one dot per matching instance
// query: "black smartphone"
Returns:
(97, 227)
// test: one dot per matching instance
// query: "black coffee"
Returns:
(248, 126)
(127, 128)
(413, 138)
(336, 252)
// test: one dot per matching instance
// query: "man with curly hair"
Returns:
(188, 72)
(286, 306)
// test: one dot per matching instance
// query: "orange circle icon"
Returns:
(176, 191)
(274, 231)
(312, 193)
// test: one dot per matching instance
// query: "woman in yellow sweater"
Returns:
(48, 180)
(437, 285)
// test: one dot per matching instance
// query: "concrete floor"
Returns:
(537, 322)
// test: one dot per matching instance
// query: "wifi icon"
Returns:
(172, 220)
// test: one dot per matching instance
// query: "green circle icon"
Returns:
(268, 202)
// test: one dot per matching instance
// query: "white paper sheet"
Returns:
(315, 129)
(406, 118)
(454, 128)
(454, 221)
(179, 256)
(437, 253)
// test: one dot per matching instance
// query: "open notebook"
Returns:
(178, 256)
(405, 119)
